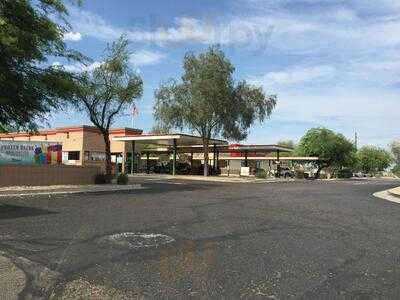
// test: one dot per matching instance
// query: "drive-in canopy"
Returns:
(170, 140)
(193, 144)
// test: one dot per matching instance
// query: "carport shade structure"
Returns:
(259, 149)
(247, 152)
(169, 140)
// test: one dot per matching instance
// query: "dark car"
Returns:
(285, 172)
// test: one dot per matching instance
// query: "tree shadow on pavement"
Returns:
(9, 211)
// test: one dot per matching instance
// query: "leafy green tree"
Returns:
(29, 88)
(396, 170)
(373, 159)
(207, 100)
(333, 149)
(287, 143)
(108, 90)
(395, 148)
(157, 129)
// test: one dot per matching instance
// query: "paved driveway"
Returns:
(180, 239)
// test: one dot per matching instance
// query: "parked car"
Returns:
(285, 172)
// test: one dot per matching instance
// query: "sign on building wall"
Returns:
(24, 152)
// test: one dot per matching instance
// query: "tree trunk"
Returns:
(106, 137)
(320, 167)
(206, 152)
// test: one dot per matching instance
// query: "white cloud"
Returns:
(72, 36)
(145, 57)
(236, 32)
(77, 68)
(371, 112)
(274, 28)
(314, 47)
(93, 25)
(295, 75)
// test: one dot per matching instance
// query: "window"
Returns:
(95, 156)
(73, 155)
(87, 156)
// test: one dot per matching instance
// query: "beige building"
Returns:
(83, 145)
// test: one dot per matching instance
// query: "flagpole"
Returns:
(134, 112)
(133, 115)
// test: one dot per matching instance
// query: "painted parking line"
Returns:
(385, 195)
(169, 182)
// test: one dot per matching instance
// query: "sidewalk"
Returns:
(395, 192)
(392, 195)
(19, 191)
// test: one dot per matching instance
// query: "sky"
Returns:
(333, 64)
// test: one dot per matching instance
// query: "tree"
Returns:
(208, 102)
(333, 149)
(157, 129)
(287, 143)
(29, 88)
(108, 90)
(373, 159)
(396, 170)
(395, 148)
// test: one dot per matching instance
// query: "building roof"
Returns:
(168, 139)
(87, 128)
(257, 148)
(282, 158)
(225, 148)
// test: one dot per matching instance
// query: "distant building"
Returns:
(82, 145)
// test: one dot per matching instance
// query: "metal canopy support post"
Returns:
(277, 155)
(147, 162)
(174, 159)
(217, 160)
(246, 163)
(214, 155)
(133, 158)
(191, 160)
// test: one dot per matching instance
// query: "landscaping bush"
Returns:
(122, 179)
(260, 173)
(101, 179)
(299, 174)
(396, 170)
(345, 173)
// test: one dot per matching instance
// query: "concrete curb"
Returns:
(221, 179)
(91, 190)
(395, 192)
(386, 195)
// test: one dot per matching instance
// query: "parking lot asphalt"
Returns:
(204, 240)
